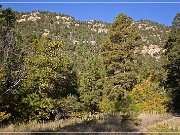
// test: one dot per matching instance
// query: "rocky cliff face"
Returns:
(154, 36)
(153, 50)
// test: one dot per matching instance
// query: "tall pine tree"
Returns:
(119, 57)
(173, 62)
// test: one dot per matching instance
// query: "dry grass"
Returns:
(151, 119)
(109, 123)
(112, 123)
(166, 127)
(170, 125)
(35, 126)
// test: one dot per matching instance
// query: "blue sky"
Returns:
(162, 13)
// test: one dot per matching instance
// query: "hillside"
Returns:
(60, 74)
(61, 27)
(55, 67)
(153, 32)
(89, 33)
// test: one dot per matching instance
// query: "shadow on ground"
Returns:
(110, 124)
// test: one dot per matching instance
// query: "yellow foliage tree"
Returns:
(149, 97)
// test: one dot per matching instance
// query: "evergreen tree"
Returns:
(91, 84)
(173, 62)
(176, 21)
(10, 61)
(119, 57)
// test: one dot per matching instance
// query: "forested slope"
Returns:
(54, 66)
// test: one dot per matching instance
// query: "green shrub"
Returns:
(106, 105)
(37, 107)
